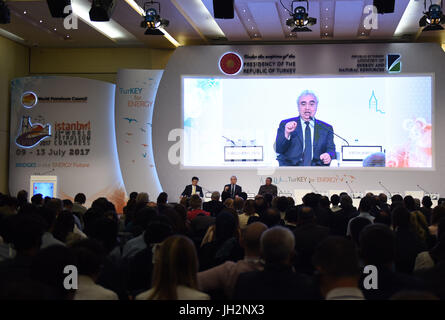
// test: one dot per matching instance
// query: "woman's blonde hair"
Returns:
(176, 264)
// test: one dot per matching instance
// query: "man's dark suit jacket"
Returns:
(213, 206)
(307, 237)
(188, 191)
(227, 194)
(274, 283)
(290, 152)
(272, 189)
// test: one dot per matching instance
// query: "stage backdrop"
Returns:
(65, 127)
(180, 103)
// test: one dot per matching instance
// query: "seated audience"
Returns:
(426, 208)
(277, 281)
(290, 218)
(248, 211)
(195, 208)
(428, 259)
(89, 255)
(174, 274)
(214, 206)
(223, 245)
(340, 218)
(366, 204)
(407, 242)
(139, 268)
(308, 235)
(337, 264)
(223, 277)
(377, 248)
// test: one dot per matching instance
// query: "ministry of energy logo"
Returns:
(394, 63)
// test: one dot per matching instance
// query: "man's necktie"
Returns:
(193, 189)
(233, 191)
(307, 153)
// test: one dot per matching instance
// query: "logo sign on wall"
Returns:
(230, 63)
(65, 126)
(394, 63)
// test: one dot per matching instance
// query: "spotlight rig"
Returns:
(152, 20)
(433, 18)
(300, 17)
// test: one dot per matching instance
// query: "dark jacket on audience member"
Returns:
(213, 254)
(276, 282)
(340, 220)
(408, 246)
(323, 217)
(213, 206)
(307, 238)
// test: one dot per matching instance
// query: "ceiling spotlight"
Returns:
(102, 10)
(152, 20)
(433, 18)
(300, 18)
(5, 14)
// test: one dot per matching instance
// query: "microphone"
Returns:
(313, 187)
(229, 140)
(426, 192)
(350, 188)
(380, 183)
(331, 131)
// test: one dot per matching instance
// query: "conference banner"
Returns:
(135, 98)
(64, 127)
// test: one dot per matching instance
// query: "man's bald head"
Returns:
(277, 245)
(251, 237)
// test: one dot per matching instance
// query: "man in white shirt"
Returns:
(366, 204)
(336, 260)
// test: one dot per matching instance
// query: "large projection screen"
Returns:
(233, 122)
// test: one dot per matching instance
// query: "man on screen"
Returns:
(192, 189)
(304, 140)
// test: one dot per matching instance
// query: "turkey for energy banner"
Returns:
(64, 127)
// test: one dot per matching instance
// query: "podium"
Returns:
(366, 156)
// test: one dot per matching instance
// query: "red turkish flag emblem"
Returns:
(230, 63)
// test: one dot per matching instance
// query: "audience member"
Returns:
(223, 277)
(337, 264)
(214, 206)
(175, 272)
(277, 281)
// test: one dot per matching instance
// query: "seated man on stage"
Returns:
(268, 188)
(192, 189)
(304, 140)
(231, 190)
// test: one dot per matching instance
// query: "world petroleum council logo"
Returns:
(230, 63)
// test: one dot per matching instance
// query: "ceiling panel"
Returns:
(347, 18)
(233, 29)
(387, 23)
(267, 19)
(192, 22)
